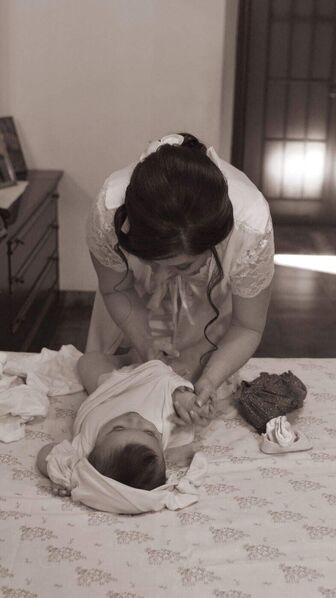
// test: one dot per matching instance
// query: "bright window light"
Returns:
(313, 169)
(294, 169)
(317, 263)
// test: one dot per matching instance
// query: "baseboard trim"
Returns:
(76, 298)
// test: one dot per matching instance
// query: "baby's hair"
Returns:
(135, 465)
(177, 202)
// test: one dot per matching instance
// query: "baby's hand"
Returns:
(187, 411)
(183, 402)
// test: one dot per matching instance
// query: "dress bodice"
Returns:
(177, 301)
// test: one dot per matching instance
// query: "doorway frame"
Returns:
(284, 211)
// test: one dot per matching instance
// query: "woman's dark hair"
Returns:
(176, 203)
(135, 465)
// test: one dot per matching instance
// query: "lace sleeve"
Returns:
(254, 268)
(101, 236)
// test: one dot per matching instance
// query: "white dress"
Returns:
(177, 303)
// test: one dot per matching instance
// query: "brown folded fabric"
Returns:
(268, 396)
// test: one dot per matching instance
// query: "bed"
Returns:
(265, 525)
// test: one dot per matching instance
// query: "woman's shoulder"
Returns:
(100, 233)
(114, 187)
(250, 208)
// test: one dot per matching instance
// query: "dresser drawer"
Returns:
(23, 283)
(29, 268)
(31, 315)
(24, 242)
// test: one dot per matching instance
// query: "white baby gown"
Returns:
(146, 389)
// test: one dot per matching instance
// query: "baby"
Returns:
(131, 418)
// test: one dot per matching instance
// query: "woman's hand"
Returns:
(205, 391)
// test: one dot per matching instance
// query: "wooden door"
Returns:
(285, 115)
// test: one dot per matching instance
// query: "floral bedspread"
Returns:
(265, 526)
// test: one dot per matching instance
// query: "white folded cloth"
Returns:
(281, 438)
(279, 430)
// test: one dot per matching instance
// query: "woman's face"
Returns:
(184, 263)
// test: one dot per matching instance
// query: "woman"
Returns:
(182, 244)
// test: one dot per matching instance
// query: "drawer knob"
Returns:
(18, 242)
(18, 279)
(54, 226)
(332, 92)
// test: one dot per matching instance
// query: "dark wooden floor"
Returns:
(302, 314)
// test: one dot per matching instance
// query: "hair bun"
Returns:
(192, 142)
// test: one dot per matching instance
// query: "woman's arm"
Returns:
(125, 307)
(238, 344)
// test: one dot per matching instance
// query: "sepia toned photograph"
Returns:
(168, 298)
(7, 174)
(13, 145)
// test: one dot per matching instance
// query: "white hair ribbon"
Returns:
(173, 139)
(117, 183)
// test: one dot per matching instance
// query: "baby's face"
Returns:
(130, 428)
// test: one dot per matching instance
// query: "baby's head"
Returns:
(129, 450)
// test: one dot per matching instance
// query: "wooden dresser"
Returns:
(29, 274)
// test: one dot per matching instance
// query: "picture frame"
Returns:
(13, 145)
(7, 172)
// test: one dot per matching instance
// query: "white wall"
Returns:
(89, 82)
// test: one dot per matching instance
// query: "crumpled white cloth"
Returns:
(22, 406)
(57, 370)
(3, 359)
(19, 404)
(26, 382)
